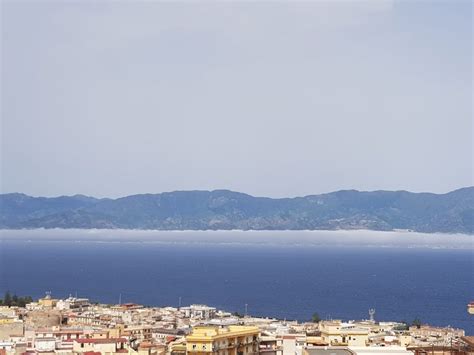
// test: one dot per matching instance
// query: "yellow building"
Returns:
(177, 347)
(405, 339)
(343, 334)
(47, 301)
(104, 346)
(7, 320)
(232, 340)
(116, 332)
(140, 332)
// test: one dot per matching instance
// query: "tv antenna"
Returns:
(371, 315)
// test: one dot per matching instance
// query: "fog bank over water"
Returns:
(353, 238)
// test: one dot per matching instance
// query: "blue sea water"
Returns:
(284, 281)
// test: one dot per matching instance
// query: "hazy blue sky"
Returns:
(276, 99)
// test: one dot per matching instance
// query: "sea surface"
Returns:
(277, 274)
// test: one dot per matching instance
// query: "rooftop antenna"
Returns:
(371, 315)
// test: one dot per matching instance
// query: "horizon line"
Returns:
(234, 191)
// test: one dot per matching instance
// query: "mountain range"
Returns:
(452, 212)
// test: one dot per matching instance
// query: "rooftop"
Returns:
(101, 341)
(200, 332)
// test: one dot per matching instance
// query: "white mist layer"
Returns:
(355, 238)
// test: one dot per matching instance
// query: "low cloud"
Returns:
(357, 238)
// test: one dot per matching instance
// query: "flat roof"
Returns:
(100, 341)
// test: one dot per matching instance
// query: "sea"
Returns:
(288, 275)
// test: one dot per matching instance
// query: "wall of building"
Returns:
(13, 328)
(42, 319)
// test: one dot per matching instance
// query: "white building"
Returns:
(73, 304)
(45, 344)
(199, 311)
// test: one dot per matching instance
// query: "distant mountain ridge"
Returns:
(452, 212)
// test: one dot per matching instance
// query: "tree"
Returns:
(7, 300)
(23, 301)
(15, 300)
(402, 326)
(316, 318)
(416, 323)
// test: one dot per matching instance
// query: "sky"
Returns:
(268, 98)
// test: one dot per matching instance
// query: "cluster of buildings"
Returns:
(75, 326)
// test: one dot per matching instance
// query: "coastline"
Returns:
(305, 238)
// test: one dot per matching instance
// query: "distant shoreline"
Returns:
(322, 238)
(229, 210)
(410, 231)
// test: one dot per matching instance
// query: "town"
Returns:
(77, 326)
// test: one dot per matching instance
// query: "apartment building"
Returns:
(104, 346)
(199, 311)
(232, 340)
(343, 334)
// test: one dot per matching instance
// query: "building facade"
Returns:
(232, 340)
